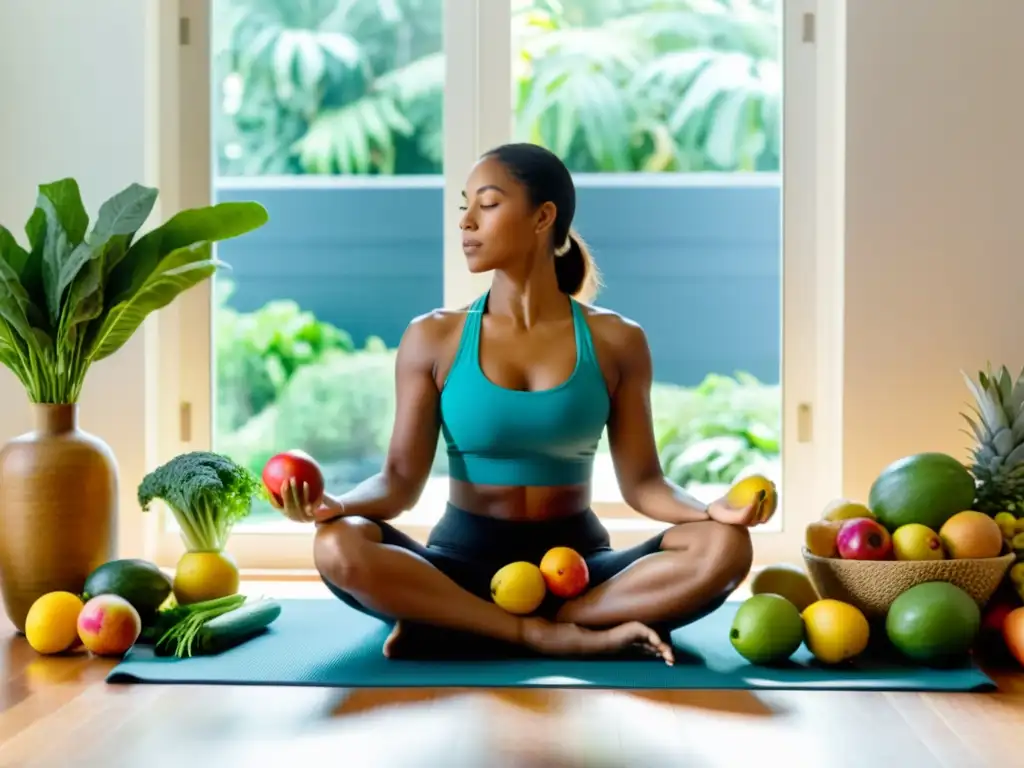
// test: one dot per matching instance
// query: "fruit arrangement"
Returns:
(785, 612)
(933, 623)
(919, 508)
(131, 601)
(924, 508)
(521, 587)
(208, 494)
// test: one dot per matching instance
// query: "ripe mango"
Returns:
(747, 491)
(845, 509)
(820, 538)
(971, 534)
(787, 581)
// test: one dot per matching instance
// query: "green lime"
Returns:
(767, 629)
(933, 623)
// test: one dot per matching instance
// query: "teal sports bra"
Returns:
(499, 436)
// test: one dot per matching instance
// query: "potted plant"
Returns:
(69, 299)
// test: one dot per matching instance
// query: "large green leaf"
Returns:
(119, 219)
(66, 199)
(178, 271)
(120, 216)
(189, 227)
(66, 223)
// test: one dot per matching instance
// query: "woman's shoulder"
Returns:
(612, 329)
(436, 327)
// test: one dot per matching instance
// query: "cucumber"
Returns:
(140, 582)
(237, 626)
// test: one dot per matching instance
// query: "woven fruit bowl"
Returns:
(872, 585)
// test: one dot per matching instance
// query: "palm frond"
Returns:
(358, 138)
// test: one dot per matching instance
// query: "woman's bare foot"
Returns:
(412, 640)
(564, 639)
(415, 640)
(393, 645)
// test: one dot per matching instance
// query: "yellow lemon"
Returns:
(835, 631)
(747, 491)
(51, 625)
(914, 541)
(519, 587)
(202, 576)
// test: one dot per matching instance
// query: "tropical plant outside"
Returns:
(356, 86)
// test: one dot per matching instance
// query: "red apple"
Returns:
(565, 572)
(994, 617)
(861, 538)
(998, 608)
(293, 464)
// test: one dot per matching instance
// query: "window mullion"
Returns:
(477, 116)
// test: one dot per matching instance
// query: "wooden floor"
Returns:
(58, 712)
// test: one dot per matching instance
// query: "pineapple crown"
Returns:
(999, 424)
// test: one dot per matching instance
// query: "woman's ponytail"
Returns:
(576, 270)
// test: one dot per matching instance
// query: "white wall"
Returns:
(934, 230)
(934, 256)
(73, 103)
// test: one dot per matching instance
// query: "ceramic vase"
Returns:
(58, 509)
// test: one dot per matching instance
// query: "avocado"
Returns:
(140, 582)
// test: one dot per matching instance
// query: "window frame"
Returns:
(478, 110)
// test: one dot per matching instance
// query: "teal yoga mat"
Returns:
(323, 642)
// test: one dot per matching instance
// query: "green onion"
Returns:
(178, 626)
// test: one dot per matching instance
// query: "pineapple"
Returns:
(998, 455)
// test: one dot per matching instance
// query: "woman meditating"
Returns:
(521, 384)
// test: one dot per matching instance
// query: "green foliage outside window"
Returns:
(356, 86)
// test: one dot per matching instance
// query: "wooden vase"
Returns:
(58, 509)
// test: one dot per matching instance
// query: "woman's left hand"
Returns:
(721, 511)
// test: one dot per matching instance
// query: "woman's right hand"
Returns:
(297, 505)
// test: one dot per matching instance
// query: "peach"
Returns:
(565, 572)
(108, 625)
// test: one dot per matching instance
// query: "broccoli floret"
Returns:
(208, 494)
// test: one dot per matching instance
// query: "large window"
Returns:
(356, 121)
